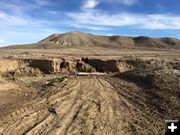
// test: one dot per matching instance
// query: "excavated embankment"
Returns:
(54, 66)
(147, 73)
(134, 97)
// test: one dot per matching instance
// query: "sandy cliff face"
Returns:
(53, 66)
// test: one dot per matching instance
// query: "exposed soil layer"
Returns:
(33, 67)
(43, 96)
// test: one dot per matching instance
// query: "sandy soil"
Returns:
(86, 105)
(54, 104)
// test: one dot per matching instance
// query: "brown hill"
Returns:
(170, 41)
(122, 40)
(148, 42)
(79, 39)
(84, 39)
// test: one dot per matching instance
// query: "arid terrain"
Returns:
(79, 39)
(88, 90)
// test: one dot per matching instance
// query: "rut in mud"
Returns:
(86, 105)
(133, 97)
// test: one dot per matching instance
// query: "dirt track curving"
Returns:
(87, 105)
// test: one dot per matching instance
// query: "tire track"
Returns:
(141, 116)
(51, 120)
(83, 106)
(84, 122)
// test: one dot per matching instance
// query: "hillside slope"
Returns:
(84, 39)
(79, 39)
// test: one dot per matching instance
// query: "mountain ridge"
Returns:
(78, 39)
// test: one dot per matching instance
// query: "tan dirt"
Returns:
(134, 96)
(85, 105)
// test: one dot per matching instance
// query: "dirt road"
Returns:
(88, 105)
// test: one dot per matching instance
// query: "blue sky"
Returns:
(28, 21)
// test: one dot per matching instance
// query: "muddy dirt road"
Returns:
(87, 105)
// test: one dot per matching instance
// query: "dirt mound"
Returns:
(7, 65)
(83, 67)
(161, 79)
(22, 72)
(154, 64)
(35, 67)
(44, 65)
(141, 78)
(108, 65)
(153, 73)
(94, 65)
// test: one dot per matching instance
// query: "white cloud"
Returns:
(21, 6)
(53, 12)
(18, 28)
(51, 31)
(7, 19)
(124, 2)
(128, 2)
(31, 35)
(2, 41)
(42, 2)
(16, 24)
(99, 18)
(89, 4)
(90, 27)
(161, 21)
(152, 21)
